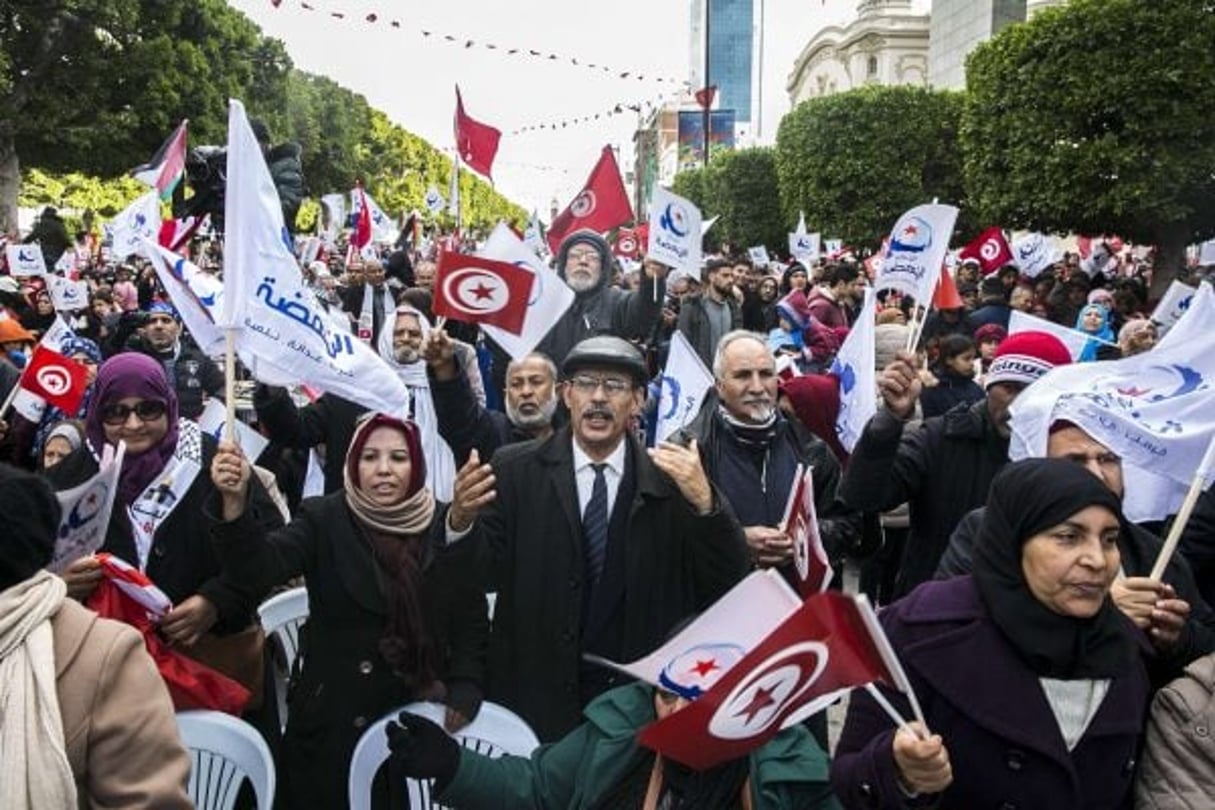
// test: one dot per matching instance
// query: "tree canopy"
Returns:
(1094, 117)
(740, 187)
(857, 160)
(94, 87)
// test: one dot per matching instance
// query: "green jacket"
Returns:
(790, 771)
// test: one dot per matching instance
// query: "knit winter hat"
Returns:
(1026, 356)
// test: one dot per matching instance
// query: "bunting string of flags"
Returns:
(466, 42)
(618, 109)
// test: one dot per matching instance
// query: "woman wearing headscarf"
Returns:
(157, 524)
(1033, 684)
(1094, 320)
(63, 439)
(85, 720)
(395, 613)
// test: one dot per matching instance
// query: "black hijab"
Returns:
(1026, 498)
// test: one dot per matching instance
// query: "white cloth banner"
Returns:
(335, 221)
(805, 247)
(855, 365)
(1156, 410)
(214, 419)
(759, 256)
(550, 298)
(1033, 253)
(197, 296)
(25, 260)
(285, 336)
(674, 232)
(1173, 304)
(86, 511)
(140, 220)
(453, 191)
(833, 246)
(68, 296)
(1073, 339)
(917, 247)
(533, 236)
(708, 223)
(685, 381)
(1206, 253)
(434, 200)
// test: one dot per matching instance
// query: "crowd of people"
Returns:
(521, 517)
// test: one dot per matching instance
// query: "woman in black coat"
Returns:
(395, 614)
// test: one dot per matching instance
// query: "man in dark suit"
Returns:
(596, 545)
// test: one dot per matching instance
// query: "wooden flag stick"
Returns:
(1183, 515)
(230, 384)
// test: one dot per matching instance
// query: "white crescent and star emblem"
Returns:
(770, 692)
(55, 380)
(475, 291)
(584, 204)
(989, 250)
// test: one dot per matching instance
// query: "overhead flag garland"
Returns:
(374, 18)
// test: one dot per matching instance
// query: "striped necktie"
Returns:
(595, 524)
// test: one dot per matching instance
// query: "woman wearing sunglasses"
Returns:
(158, 524)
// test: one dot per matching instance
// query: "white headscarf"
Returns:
(440, 462)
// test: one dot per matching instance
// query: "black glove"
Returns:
(422, 750)
(465, 697)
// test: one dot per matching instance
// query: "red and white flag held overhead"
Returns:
(361, 237)
(59, 380)
(810, 660)
(990, 249)
(476, 143)
(472, 288)
(602, 204)
(627, 246)
(705, 96)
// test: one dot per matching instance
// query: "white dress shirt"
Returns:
(584, 475)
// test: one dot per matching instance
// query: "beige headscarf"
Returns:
(34, 769)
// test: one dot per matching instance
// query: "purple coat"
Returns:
(988, 706)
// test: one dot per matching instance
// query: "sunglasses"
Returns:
(145, 411)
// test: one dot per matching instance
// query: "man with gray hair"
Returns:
(466, 425)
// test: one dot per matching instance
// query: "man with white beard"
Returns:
(531, 401)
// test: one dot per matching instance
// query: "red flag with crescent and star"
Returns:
(476, 143)
(810, 660)
(810, 559)
(59, 380)
(600, 206)
(471, 288)
(990, 249)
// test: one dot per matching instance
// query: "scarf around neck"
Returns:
(34, 768)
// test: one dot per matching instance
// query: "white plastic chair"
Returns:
(495, 732)
(281, 616)
(224, 751)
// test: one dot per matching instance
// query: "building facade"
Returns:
(958, 26)
(887, 44)
(733, 63)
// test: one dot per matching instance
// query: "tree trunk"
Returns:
(10, 184)
(1170, 259)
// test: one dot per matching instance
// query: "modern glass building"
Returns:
(957, 26)
(731, 53)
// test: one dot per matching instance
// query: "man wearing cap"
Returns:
(584, 261)
(190, 372)
(596, 545)
(706, 316)
(944, 468)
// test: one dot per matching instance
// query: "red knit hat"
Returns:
(1026, 356)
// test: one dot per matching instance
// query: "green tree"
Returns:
(1094, 117)
(740, 186)
(96, 85)
(690, 184)
(855, 161)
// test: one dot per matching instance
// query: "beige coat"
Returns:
(1177, 770)
(118, 723)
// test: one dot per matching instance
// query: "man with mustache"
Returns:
(751, 451)
(595, 545)
(466, 425)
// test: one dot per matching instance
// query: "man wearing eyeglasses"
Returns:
(596, 545)
(584, 261)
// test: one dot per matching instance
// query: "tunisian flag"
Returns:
(801, 525)
(471, 288)
(811, 659)
(476, 143)
(59, 380)
(990, 250)
(600, 206)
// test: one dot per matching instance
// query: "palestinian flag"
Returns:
(163, 172)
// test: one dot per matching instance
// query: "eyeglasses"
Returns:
(576, 255)
(614, 386)
(145, 411)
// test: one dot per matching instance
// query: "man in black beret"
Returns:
(595, 544)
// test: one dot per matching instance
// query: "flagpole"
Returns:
(12, 395)
(1183, 515)
(230, 384)
(707, 119)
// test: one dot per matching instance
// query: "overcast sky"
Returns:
(412, 78)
